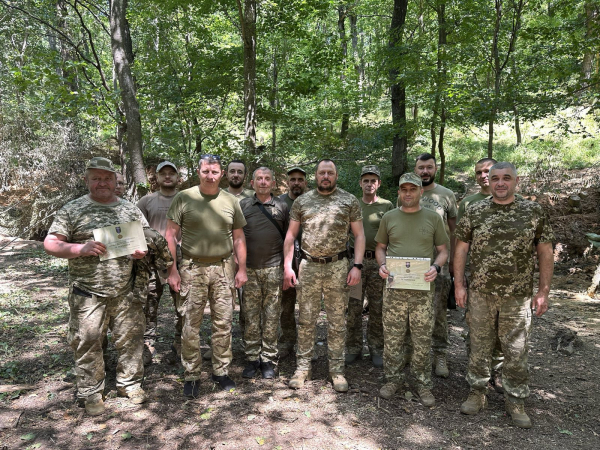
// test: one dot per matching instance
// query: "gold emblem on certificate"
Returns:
(407, 273)
(121, 239)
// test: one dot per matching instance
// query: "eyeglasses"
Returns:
(207, 156)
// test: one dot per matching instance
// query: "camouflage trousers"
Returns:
(508, 320)
(439, 341)
(497, 355)
(154, 294)
(202, 283)
(372, 287)
(403, 310)
(89, 319)
(328, 281)
(289, 334)
(262, 309)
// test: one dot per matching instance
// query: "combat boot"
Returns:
(388, 390)
(517, 413)
(251, 369)
(339, 382)
(427, 398)
(352, 357)
(137, 396)
(475, 402)
(94, 405)
(300, 376)
(441, 366)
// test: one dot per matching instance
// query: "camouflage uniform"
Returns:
(442, 201)
(403, 309)
(262, 307)
(502, 242)
(372, 288)
(201, 282)
(289, 335)
(316, 213)
(101, 292)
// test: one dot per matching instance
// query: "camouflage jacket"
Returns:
(325, 221)
(502, 243)
(158, 258)
(77, 221)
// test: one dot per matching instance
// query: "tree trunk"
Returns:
(248, 26)
(586, 65)
(441, 145)
(398, 94)
(342, 33)
(122, 58)
(273, 103)
(517, 124)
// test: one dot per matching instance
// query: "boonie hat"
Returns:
(412, 178)
(370, 169)
(296, 169)
(97, 162)
(165, 164)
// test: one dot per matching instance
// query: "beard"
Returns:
(428, 182)
(236, 184)
(329, 188)
(296, 191)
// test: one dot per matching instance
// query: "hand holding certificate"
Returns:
(121, 239)
(407, 273)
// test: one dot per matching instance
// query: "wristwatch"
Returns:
(437, 268)
(358, 266)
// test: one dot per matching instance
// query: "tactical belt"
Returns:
(369, 254)
(205, 263)
(326, 259)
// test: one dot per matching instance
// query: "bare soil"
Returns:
(37, 392)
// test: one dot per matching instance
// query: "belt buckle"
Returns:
(322, 260)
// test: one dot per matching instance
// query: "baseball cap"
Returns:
(165, 164)
(412, 178)
(370, 169)
(296, 169)
(97, 162)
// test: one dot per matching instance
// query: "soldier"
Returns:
(500, 234)
(267, 220)
(100, 291)
(325, 215)
(482, 171)
(236, 175)
(373, 208)
(296, 182)
(443, 202)
(154, 207)
(120, 187)
(410, 231)
(210, 223)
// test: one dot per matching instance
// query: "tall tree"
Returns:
(248, 27)
(398, 91)
(123, 58)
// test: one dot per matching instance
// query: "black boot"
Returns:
(268, 369)
(225, 383)
(251, 369)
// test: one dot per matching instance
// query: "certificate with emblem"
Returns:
(121, 239)
(407, 273)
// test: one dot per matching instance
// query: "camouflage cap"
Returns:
(296, 169)
(370, 169)
(165, 164)
(97, 162)
(412, 178)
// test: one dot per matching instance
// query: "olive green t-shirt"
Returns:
(372, 214)
(207, 223)
(411, 235)
(462, 206)
(246, 193)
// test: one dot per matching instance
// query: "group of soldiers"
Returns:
(318, 248)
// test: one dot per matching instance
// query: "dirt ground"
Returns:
(37, 392)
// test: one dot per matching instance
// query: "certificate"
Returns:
(121, 239)
(407, 273)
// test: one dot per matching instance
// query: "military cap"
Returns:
(97, 162)
(165, 164)
(296, 169)
(370, 169)
(412, 178)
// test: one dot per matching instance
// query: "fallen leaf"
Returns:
(408, 395)
(307, 413)
(28, 437)
(260, 440)
(284, 431)
(89, 436)
(126, 435)
(251, 417)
